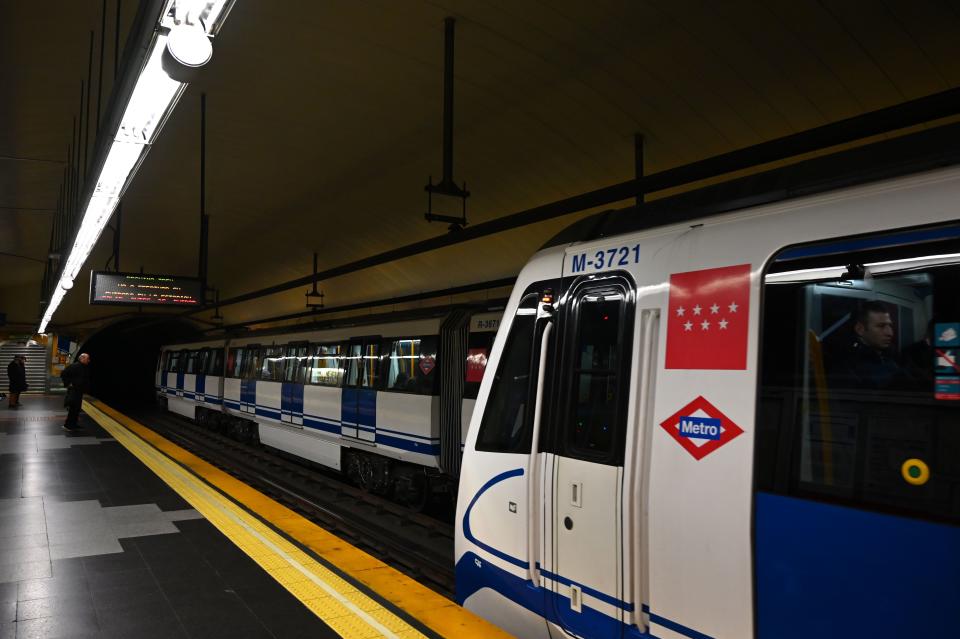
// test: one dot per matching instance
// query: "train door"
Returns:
(856, 510)
(358, 405)
(584, 429)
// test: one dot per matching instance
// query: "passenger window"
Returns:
(290, 364)
(182, 360)
(860, 383)
(325, 365)
(478, 352)
(505, 427)
(235, 359)
(202, 358)
(271, 367)
(215, 363)
(412, 363)
(598, 370)
(251, 362)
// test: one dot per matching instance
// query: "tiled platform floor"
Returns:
(93, 544)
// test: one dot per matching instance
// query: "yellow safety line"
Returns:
(345, 609)
(434, 611)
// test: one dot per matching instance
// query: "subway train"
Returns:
(745, 424)
(386, 403)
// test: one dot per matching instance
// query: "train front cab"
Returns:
(644, 464)
(190, 378)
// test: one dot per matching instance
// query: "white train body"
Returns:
(628, 472)
(376, 391)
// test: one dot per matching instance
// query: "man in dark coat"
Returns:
(17, 375)
(76, 377)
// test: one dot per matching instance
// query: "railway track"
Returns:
(414, 543)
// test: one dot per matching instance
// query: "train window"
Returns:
(860, 383)
(191, 362)
(215, 362)
(251, 362)
(595, 375)
(411, 365)
(325, 365)
(506, 421)
(271, 365)
(202, 361)
(164, 361)
(363, 365)
(294, 361)
(478, 351)
(235, 359)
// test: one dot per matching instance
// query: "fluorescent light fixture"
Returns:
(153, 98)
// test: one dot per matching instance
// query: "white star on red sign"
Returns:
(704, 325)
(696, 309)
(688, 326)
(681, 311)
(733, 307)
(723, 323)
(714, 309)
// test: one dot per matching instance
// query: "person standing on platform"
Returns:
(76, 377)
(17, 375)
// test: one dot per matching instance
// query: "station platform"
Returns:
(117, 532)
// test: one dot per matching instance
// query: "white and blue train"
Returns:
(743, 425)
(387, 403)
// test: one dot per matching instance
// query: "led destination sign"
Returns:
(141, 288)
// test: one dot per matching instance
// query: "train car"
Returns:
(744, 425)
(388, 403)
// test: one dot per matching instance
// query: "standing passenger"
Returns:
(17, 375)
(76, 377)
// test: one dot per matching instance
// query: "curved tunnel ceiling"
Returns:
(324, 123)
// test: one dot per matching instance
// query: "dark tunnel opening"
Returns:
(123, 357)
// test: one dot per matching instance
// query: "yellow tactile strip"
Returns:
(344, 608)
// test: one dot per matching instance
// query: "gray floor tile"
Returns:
(25, 570)
(22, 555)
(43, 588)
(8, 611)
(38, 540)
(74, 626)
(77, 603)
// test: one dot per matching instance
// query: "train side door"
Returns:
(358, 407)
(584, 468)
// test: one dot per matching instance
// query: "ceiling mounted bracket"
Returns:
(313, 294)
(447, 187)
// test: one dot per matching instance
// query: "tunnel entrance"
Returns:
(124, 356)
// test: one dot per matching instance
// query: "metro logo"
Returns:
(700, 428)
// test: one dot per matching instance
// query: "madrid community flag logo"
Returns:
(708, 318)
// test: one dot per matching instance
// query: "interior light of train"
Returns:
(153, 98)
(873, 268)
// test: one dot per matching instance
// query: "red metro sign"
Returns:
(700, 428)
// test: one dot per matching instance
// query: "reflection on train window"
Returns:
(165, 361)
(860, 378)
(411, 365)
(325, 365)
(506, 424)
(592, 430)
(363, 365)
(291, 364)
(478, 351)
(202, 361)
(235, 359)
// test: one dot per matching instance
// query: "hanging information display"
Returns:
(107, 287)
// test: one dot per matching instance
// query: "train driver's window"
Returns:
(506, 423)
(235, 359)
(594, 430)
(411, 365)
(860, 377)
